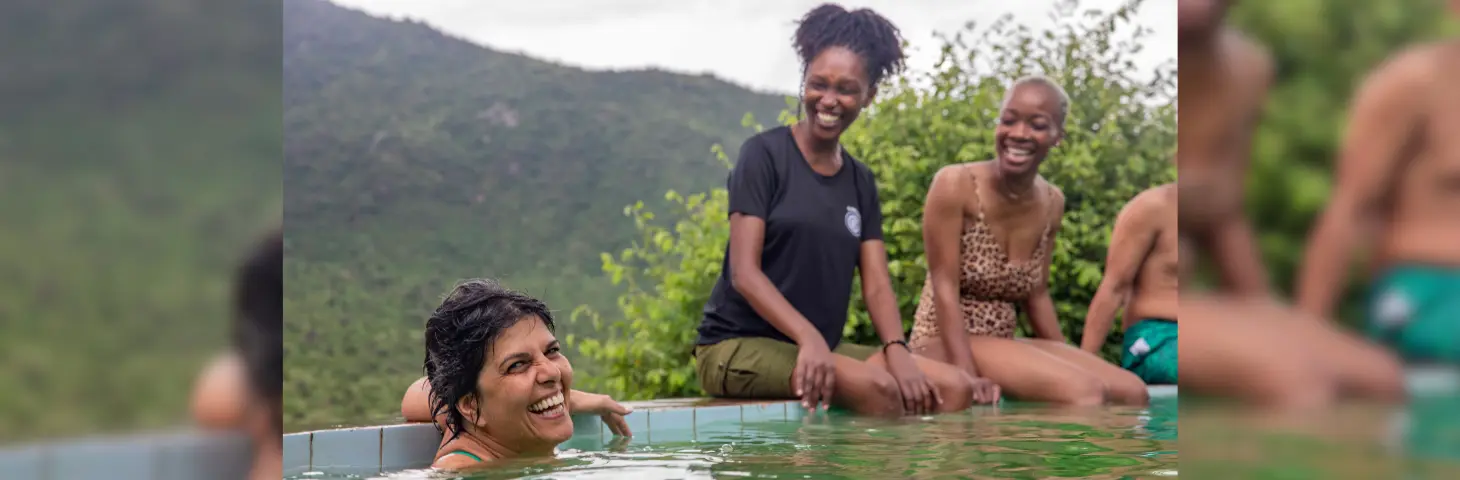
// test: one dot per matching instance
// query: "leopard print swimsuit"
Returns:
(990, 284)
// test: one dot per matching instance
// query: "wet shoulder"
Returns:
(454, 461)
(1157, 196)
(1151, 202)
(957, 175)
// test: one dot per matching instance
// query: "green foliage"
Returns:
(126, 200)
(1121, 139)
(413, 160)
(1296, 145)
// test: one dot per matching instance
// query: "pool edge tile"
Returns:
(671, 425)
(26, 462)
(405, 447)
(120, 458)
(354, 451)
(297, 449)
(710, 421)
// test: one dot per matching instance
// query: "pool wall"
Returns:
(188, 455)
(370, 450)
(161, 456)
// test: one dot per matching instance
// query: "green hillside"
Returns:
(138, 160)
(414, 159)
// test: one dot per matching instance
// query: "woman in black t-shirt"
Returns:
(804, 216)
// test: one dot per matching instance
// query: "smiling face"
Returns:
(835, 90)
(1029, 126)
(524, 385)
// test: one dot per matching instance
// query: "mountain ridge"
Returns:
(414, 158)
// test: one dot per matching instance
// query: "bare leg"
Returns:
(1361, 368)
(1121, 386)
(953, 385)
(865, 388)
(1025, 372)
(1232, 348)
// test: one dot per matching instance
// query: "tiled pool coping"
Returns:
(369, 450)
(164, 456)
(196, 455)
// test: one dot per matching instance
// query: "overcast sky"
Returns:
(745, 41)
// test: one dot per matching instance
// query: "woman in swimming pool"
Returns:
(804, 215)
(500, 383)
(242, 390)
(989, 230)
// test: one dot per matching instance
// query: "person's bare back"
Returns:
(1424, 222)
(1157, 282)
(1141, 267)
(1141, 273)
(1397, 189)
(1239, 340)
(1398, 173)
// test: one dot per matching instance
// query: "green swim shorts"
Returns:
(756, 367)
(1416, 311)
(1150, 351)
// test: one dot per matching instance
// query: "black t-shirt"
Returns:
(815, 226)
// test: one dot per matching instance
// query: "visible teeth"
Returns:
(1019, 151)
(547, 403)
(826, 117)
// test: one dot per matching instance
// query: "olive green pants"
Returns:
(756, 367)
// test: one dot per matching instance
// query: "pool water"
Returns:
(1010, 441)
(1419, 441)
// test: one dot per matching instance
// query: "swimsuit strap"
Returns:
(973, 177)
(463, 453)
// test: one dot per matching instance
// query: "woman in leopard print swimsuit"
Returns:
(978, 279)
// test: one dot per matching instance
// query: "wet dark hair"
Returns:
(459, 335)
(863, 31)
(258, 322)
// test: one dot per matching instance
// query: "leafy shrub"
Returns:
(1121, 139)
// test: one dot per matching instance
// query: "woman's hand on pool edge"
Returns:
(604, 406)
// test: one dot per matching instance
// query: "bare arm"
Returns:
(1233, 243)
(747, 239)
(416, 405)
(877, 291)
(1383, 117)
(1130, 243)
(220, 395)
(1040, 305)
(942, 229)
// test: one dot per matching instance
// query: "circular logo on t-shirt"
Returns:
(853, 220)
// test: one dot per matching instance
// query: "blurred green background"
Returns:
(138, 161)
(1322, 50)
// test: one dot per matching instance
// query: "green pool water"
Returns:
(1418, 441)
(1012, 441)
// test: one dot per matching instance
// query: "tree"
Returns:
(1121, 140)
